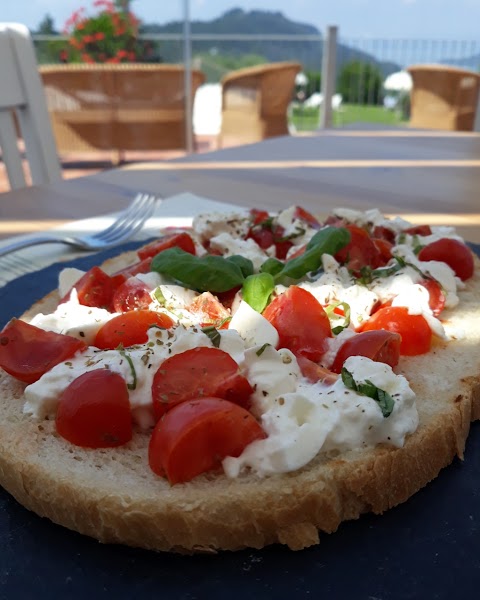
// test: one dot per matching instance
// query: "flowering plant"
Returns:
(109, 36)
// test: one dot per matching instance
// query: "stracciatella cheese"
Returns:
(313, 418)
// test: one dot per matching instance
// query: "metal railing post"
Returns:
(329, 76)
(187, 60)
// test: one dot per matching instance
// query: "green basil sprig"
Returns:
(212, 332)
(203, 273)
(258, 288)
(381, 397)
(218, 274)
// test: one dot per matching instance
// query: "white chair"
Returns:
(21, 92)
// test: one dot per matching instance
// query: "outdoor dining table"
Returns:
(428, 547)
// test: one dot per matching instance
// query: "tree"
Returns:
(360, 83)
(47, 26)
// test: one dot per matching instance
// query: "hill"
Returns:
(239, 21)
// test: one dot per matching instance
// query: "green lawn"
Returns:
(308, 119)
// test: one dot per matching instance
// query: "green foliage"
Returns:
(46, 26)
(314, 82)
(360, 83)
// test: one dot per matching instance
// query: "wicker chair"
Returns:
(117, 107)
(443, 97)
(255, 102)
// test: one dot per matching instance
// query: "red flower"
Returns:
(110, 34)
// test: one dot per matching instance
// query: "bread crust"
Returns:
(113, 496)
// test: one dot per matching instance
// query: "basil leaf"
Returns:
(245, 264)
(385, 401)
(213, 334)
(367, 388)
(133, 385)
(348, 380)
(272, 266)
(326, 241)
(257, 290)
(262, 349)
(202, 273)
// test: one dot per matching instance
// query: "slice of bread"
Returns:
(112, 494)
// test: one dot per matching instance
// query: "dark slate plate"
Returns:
(427, 548)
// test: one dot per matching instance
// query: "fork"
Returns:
(127, 224)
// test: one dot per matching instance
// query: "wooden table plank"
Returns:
(422, 174)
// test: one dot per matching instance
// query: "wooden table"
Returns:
(424, 176)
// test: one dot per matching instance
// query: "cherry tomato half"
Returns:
(258, 216)
(436, 299)
(301, 322)
(414, 330)
(384, 233)
(95, 288)
(142, 266)
(194, 437)
(453, 252)
(27, 352)
(129, 328)
(94, 411)
(314, 372)
(384, 248)
(195, 373)
(379, 345)
(130, 295)
(418, 230)
(304, 215)
(360, 251)
(208, 310)
(180, 240)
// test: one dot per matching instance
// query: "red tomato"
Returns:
(436, 299)
(314, 372)
(95, 288)
(418, 230)
(384, 249)
(281, 246)
(379, 345)
(179, 240)
(209, 311)
(194, 437)
(301, 213)
(384, 233)
(129, 328)
(94, 411)
(227, 298)
(195, 373)
(261, 235)
(27, 352)
(302, 324)
(414, 329)
(142, 266)
(258, 216)
(360, 251)
(132, 294)
(334, 221)
(456, 254)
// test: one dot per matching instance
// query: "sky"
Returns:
(385, 19)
